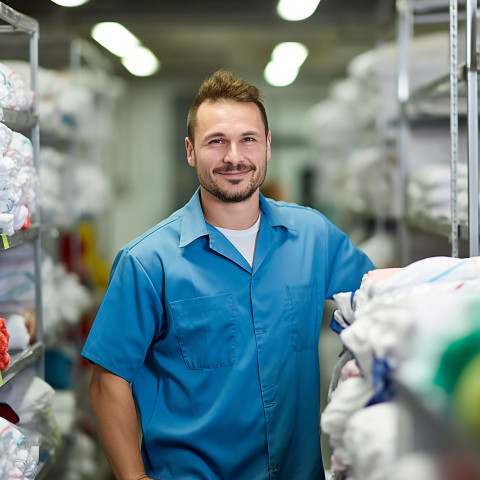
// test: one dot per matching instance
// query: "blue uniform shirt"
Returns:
(222, 357)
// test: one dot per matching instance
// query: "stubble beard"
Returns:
(232, 197)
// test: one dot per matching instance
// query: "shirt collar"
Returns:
(274, 216)
(193, 221)
(194, 225)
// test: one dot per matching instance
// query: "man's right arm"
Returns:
(117, 425)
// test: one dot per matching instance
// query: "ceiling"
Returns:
(192, 38)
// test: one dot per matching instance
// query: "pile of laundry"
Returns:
(64, 297)
(28, 430)
(17, 459)
(69, 190)
(412, 346)
(18, 181)
(14, 92)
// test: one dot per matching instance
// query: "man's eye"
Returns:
(216, 140)
(249, 139)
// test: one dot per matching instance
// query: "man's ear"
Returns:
(190, 152)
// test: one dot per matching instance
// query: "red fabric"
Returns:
(4, 338)
(8, 413)
(27, 223)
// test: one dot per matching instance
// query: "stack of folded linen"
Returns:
(54, 195)
(429, 192)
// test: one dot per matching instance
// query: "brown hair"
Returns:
(223, 85)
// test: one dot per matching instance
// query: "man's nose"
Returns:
(234, 154)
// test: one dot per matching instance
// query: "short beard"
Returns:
(237, 197)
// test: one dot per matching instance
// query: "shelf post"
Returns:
(37, 246)
(454, 123)
(472, 139)
(404, 34)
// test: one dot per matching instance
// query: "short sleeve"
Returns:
(128, 321)
(346, 264)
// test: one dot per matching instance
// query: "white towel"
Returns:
(17, 329)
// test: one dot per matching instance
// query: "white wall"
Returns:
(143, 171)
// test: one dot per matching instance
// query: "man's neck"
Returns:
(234, 216)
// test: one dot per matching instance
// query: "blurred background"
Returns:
(145, 159)
(361, 130)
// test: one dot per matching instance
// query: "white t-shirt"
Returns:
(244, 240)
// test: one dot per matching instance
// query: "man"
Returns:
(211, 320)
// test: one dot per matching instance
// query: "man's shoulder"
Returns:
(160, 235)
(295, 214)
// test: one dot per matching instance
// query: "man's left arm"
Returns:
(346, 264)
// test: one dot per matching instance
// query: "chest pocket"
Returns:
(205, 328)
(303, 314)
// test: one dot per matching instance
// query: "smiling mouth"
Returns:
(242, 173)
(235, 177)
(232, 171)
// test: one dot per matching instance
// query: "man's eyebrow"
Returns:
(213, 135)
(249, 133)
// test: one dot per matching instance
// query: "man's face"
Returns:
(231, 150)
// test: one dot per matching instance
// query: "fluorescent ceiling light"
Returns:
(136, 58)
(278, 76)
(115, 38)
(291, 54)
(294, 10)
(141, 62)
(285, 63)
(69, 3)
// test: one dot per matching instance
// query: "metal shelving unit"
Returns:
(422, 429)
(13, 22)
(461, 84)
(18, 119)
(20, 360)
(88, 68)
